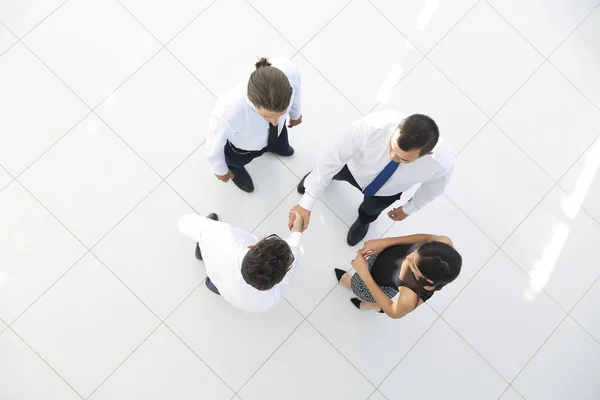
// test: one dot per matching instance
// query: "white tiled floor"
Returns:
(103, 112)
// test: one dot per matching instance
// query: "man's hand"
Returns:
(373, 247)
(226, 177)
(293, 122)
(360, 265)
(397, 214)
(298, 222)
(304, 214)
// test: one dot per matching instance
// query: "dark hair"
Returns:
(418, 131)
(269, 88)
(439, 262)
(265, 264)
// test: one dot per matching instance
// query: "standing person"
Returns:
(250, 274)
(400, 273)
(382, 155)
(250, 120)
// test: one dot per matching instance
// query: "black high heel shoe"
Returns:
(357, 302)
(339, 273)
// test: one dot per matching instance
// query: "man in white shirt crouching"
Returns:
(250, 274)
(382, 155)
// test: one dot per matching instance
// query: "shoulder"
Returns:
(378, 124)
(232, 103)
(443, 155)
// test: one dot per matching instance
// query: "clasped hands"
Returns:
(396, 214)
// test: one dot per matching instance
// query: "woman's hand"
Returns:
(359, 264)
(373, 247)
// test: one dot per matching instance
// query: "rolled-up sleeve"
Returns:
(194, 226)
(428, 191)
(216, 138)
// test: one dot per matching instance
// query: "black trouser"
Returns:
(238, 158)
(371, 207)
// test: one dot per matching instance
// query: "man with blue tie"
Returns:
(382, 155)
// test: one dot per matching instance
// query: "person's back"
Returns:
(249, 274)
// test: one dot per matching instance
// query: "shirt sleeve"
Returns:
(331, 163)
(428, 191)
(194, 226)
(296, 109)
(218, 133)
(293, 241)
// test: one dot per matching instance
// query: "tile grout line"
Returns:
(197, 355)
(123, 362)
(270, 24)
(164, 45)
(322, 28)
(44, 361)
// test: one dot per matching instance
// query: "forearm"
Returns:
(408, 239)
(380, 297)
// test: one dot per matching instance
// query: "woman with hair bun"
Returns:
(250, 120)
(396, 275)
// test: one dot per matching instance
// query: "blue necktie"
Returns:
(381, 179)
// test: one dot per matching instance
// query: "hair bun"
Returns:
(262, 62)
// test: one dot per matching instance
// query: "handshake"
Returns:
(298, 219)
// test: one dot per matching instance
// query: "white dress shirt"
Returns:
(234, 118)
(223, 248)
(365, 149)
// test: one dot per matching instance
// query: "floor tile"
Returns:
(424, 22)
(86, 325)
(565, 368)
(538, 116)
(25, 376)
(546, 24)
(478, 55)
(365, 63)
(495, 316)
(5, 178)
(323, 248)
(510, 186)
(166, 18)
(147, 252)
(307, 354)
(91, 59)
(320, 129)
(37, 109)
(21, 16)
(272, 183)
(2, 327)
(511, 394)
(553, 246)
(162, 368)
(441, 217)
(353, 332)
(162, 112)
(231, 55)
(78, 182)
(456, 116)
(582, 181)
(308, 20)
(586, 312)
(579, 57)
(7, 39)
(36, 251)
(458, 372)
(219, 333)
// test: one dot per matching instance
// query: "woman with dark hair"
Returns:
(396, 275)
(250, 120)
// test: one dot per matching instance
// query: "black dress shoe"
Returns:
(357, 232)
(301, 188)
(339, 273)
(213, 216)
(242, 179)
(285, 153)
